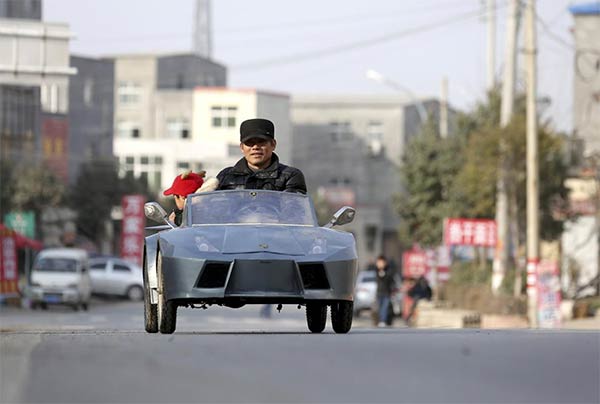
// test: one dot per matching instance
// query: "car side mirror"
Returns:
(343, 216)
(154, 211)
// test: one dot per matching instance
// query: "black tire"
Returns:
(44, 305)
(167, 311)
(341, 316)
(135, 293)
(316, 317)
(150, 310)
(85, 306)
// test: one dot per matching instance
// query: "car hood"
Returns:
(310, 241)
(54, 279)
(239, 240)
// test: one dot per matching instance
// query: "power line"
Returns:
(303, 56)
(556, 38)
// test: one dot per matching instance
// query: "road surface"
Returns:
(226, 355)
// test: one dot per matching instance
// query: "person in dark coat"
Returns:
(385, 286)
(260, 167)
(420, 290)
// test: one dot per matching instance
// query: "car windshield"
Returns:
(251, 207)
(56, 265)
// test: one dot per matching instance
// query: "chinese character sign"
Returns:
(132, 232)
(9, 275)
(476, 232)
(414, 264)
(548, 288)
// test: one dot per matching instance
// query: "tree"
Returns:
(97, 189)
(457, 176)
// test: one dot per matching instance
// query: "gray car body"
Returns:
(258, 263)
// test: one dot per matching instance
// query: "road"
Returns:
(226, 355)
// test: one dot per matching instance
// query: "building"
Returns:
(34, 80)
(350, 148)
(199, 130)
(21, 9)
(91, 111)
(586, 85)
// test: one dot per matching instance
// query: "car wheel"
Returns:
(341, 316)
(44, 305)
(135, 293)
(316, 316)
(85, 306)
(150, 310)
(167, 311)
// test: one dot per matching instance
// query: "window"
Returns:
(375, 137)
(151, 171)
(49, 98)
(177, 128)
(223, 117)
(340, 131)
(98, 267)
(128, 129)
(127, 164)
(183, 166)
(129, 92)
(88, 87)
(121, 268)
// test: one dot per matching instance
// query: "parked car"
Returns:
(242, 247)
(116, 277)
(60, 276)
(365, 293)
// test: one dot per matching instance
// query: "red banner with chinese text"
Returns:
(132, 232)
(476, 232)
(9, 276)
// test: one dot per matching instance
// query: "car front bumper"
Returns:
(248, 281)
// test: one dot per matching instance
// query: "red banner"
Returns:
(414, 263)
(9, 274)
(132, 232)
(477, 232)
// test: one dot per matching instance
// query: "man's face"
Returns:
(380, 264)
(258, 152)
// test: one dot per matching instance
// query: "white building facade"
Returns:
(195, 130)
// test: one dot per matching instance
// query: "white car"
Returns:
(114, 276)
(60, 276)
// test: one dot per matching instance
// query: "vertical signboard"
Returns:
(9, 276)
(548, 291)
(132, 232)
(55, 144)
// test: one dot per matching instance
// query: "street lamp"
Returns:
(380, 78)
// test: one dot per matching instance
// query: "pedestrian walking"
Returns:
(385, 286)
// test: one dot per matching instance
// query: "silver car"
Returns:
(114, 276)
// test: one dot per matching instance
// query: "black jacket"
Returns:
(276, 177)
(385, 282)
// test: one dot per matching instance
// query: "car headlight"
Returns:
(204, 245)
(319, 246)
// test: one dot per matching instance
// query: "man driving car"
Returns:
(260, 167)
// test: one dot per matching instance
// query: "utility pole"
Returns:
(444, 109)
(508, 97)
(533, 231)
(491, 44)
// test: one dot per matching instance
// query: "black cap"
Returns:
(257, 128)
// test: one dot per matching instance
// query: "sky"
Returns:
(326, 47)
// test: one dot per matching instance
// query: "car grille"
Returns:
(213, 275)
(314, 276)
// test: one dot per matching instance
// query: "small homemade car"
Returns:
(241, 247)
